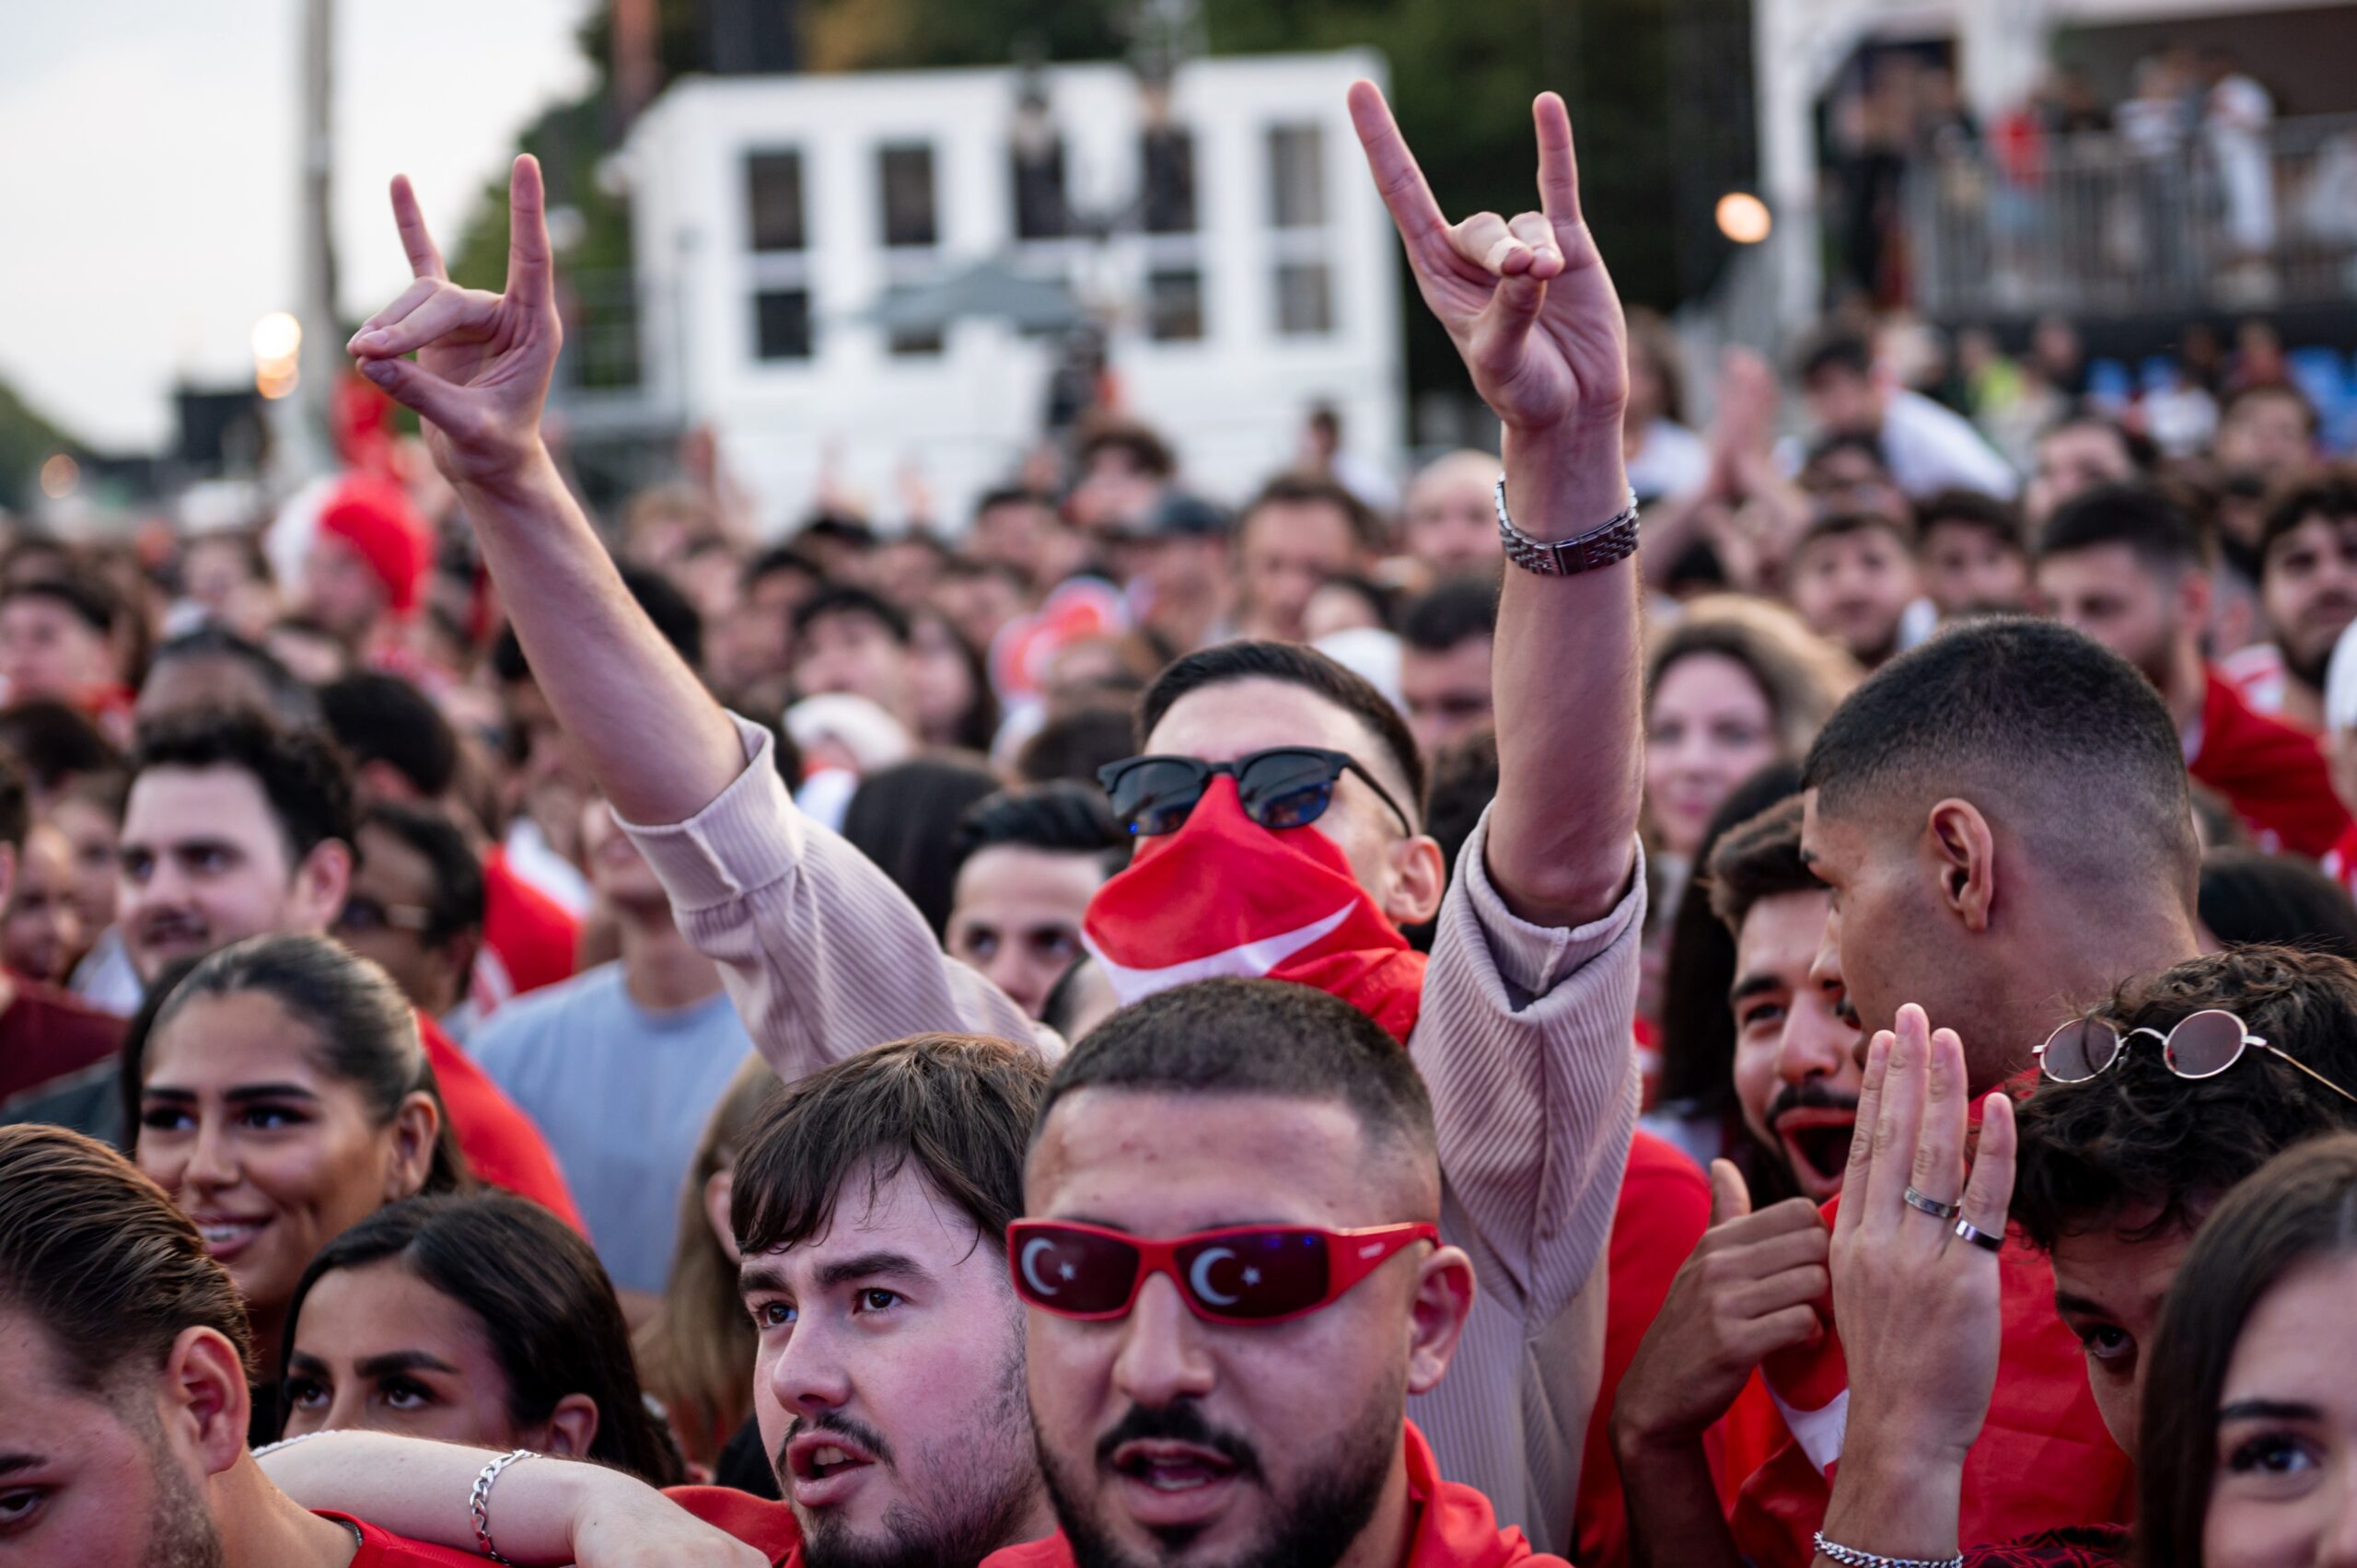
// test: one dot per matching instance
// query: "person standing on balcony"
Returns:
(2235, 114)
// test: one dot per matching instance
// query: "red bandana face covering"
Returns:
(1224, 896)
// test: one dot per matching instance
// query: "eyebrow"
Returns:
(2064, 1301)
(869, 1265)
(11, 1463)
(242, 1095)
(1752, 985)
(2267, 1410)
(404, 1361)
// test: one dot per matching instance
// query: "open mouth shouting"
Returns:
(1165, 1482)
(1815, 1140)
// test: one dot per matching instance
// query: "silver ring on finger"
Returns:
(1931, 1207)
(1988, 1241)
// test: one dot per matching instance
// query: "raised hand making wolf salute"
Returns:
(1281, 793)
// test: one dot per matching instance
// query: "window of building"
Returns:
(1296, 176)
(1041, 211)
(1166, 180)
(773, 200)
(782, 323)
(1304, 299)
(904, 175)
(1174, 305)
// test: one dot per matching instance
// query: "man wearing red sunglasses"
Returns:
(1236, 1282)
(1521, 1024)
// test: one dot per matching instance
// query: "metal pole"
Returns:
(322, 357)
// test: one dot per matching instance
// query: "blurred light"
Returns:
(274, 378)
(1743, 217)
(277, 336)
(59, 476)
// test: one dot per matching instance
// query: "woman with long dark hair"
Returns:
(480, 1319)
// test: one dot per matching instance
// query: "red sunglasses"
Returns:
(1249, 1274)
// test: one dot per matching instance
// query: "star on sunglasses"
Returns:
(1286, 786)
(1249, 1275)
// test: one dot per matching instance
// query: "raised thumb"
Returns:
(1730, 1199)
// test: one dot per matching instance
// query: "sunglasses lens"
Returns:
(2079, 1051)
(1286, 789)
(1252, 1275)
(1153, 796)
(2205, 1044)
(1073, 1272)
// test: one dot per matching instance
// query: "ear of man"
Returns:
(204, 1402)
(1964, 851)
(1444, 1299)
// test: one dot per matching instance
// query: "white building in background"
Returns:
(771, 215)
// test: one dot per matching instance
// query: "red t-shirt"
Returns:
(2273, 775)
(1454, 1527)
(46, 1033)
(528, 939)
(1664, 1207)
(763, 1523)
(379, 1549)
(498, 1138)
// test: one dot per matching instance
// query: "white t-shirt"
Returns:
(1671, 460)
(1931, 448)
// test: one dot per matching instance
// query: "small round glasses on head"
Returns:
(2202, 1045)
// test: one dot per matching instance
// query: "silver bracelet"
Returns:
(479, 1500)
(1613, 540)
(1850, 1557)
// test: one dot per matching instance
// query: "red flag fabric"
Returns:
(1225, 897)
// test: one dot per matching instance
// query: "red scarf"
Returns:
(1224, 896)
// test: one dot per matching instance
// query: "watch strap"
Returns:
(1614, 539)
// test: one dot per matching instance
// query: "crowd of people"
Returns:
(1777, 994)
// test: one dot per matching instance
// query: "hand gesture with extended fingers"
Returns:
(483, 360)
(1916, 1286)
(1526, 300)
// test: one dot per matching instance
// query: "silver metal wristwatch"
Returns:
(1615, 539)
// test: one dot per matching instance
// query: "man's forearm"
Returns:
(661, 748)
(1673, 1516)
(1566, 677)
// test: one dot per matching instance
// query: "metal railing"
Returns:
(2095, 228)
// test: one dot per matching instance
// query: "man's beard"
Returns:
(974, 1502)
(1314, 1525)
(180, 1533)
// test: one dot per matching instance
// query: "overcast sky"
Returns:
(149, 176)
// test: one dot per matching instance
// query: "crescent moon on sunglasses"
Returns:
(1031, 1250)
(1200, 1275)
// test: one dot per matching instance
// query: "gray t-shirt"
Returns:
(622, 1095)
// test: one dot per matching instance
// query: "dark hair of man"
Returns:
(2045, 730)
(959, 1108)
(1999, 521)
(1843, 525)
(843, 598)
(1146, 451)
(2301, 1208)
(1453, 613)
(1697, 1021)
(2236, 400)
(779, 559)
(2332, 496)
(97, 1255)
(1295, 665)
(458, 902)
(540, 1299)
(1838, 349)
(2251, 897)
(84, 596)
(363, 1029)
(1832, 444)
(1008, 495)
(669, 608)
(1059, 818)
(1311, 489)
(378, 717)
(2143, 455)
(302, 775)
(2137, 1142)
(1074, 744)
(1757, 858)
(16, 807)
(904, 817)
(1260, 1038)
(291, 702)
(56, 742)
(2161, 534)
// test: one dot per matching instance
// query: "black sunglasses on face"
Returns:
(1286, 786)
